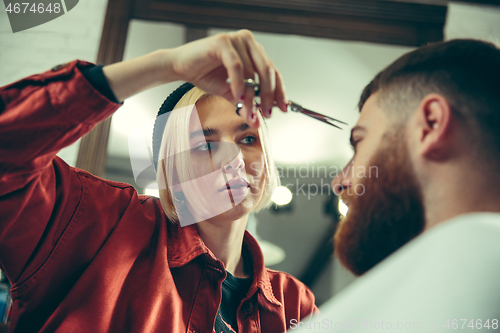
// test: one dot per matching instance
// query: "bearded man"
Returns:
(424, 233)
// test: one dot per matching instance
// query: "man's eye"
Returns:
(355, 145)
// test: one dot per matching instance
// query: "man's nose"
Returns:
(336, 185)
(342, 180)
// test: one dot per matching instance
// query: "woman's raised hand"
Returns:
(209, 62)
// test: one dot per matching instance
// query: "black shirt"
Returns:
(233, 291)
(96, 78)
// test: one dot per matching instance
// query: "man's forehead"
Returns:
(371, 113)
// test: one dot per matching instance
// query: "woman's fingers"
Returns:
(210, 62)
(234, 57)
(265, 69)
(272, 89)
(234, 65)
(240, 44)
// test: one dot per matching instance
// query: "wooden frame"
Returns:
(371, 21)
(93, 151)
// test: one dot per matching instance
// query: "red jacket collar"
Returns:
(185, 244)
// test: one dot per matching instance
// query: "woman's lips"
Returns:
(237, 186)
(237, 192)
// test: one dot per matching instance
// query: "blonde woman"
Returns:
(216, 170)
(85, 254)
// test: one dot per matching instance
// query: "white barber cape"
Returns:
(445, 280)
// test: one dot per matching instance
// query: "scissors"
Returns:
(294, 107)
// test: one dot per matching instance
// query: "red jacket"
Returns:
(86, 254)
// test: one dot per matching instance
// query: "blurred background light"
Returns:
(343, 208)
(152, 189)
(281, 196)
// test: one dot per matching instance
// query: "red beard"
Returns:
(389, 213)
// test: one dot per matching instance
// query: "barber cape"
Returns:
(447, 279)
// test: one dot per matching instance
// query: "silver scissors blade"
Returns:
(292, 106)
(318, 116)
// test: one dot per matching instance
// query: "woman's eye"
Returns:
(249, 140)
(206, 146)
(202, 147)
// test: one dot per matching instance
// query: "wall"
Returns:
(74, 35)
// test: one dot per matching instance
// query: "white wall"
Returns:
(473, 21)
(74, 35)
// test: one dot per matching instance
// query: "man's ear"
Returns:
(434, 117)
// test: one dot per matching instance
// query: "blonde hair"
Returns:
(176, 139)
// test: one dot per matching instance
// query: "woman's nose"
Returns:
(236, 164)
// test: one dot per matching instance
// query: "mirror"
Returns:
(323, 75)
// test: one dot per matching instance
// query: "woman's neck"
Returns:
(225, 240)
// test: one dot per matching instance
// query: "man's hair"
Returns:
(465, 71)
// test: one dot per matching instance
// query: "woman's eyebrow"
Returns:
(241, 127)
(205, 132)
(211, 131)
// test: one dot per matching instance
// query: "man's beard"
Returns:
(387, 215)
